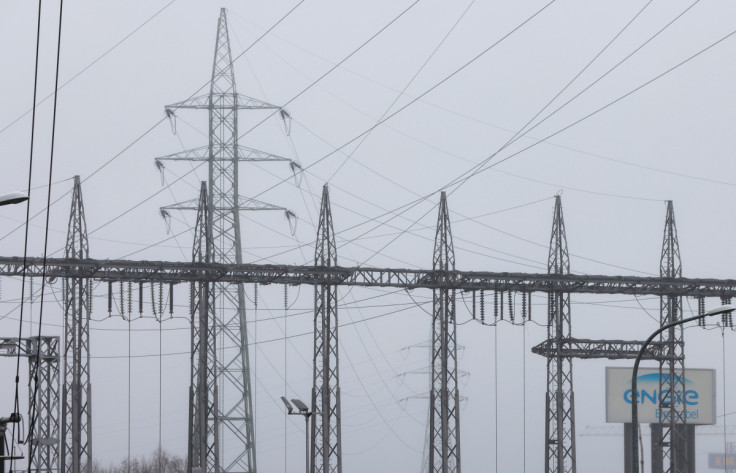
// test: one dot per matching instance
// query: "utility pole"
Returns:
(326, 435)
(560, 425)
(234, 417)
(444, 414)
(76, 417)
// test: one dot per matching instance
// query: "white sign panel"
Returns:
(699, 396)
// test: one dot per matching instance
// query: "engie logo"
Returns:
(648, 386)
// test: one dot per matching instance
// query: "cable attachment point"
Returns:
(167, 219)
(286, 117)
(292, 219)
(172, 119)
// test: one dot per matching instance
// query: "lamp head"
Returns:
(13, 198)
(289, 408)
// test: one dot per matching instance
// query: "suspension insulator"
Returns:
(171, 299)
(511, 307)
(523, 306)
(473, 305)
(495, 305)
(109, 298)
(482, 307)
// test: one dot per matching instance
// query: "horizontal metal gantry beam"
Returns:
(176, 272)
(608, 349)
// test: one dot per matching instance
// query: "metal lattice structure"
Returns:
(560, 425)
(203, 448)
(43, 397)
(444, 397)
(76, 407)
(670, 438)
(234, 418)
(326, 452)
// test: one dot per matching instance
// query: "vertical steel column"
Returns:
(76, 445)
(43, 367)
(672, 371)
(203, 448)
(326, 438)
(560, 425)
(444, 397)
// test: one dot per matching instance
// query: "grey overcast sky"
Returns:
(646, 119)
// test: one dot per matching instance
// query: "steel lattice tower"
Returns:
(560, 425)
(203, 449)
(43, 397)
(672, 440)
(43, 368)
(234, 418)
(76, 422)
(444, 397)
(326, 440)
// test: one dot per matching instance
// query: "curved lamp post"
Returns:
(635, 392)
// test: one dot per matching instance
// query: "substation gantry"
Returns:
(221, 409)
(78, 270)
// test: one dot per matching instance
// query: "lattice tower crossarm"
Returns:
(203, 446)
(326, 454)
(560, 405)
(76, 418)
(444, 413)
(43, 397)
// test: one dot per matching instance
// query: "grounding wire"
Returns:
(48, 215)
(16, 406)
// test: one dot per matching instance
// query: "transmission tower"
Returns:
(203, 448)
(43, 397)
(670, 435)
(444, 398)
(234, 417)
(560, 425)
(76, 422)
(326, 439)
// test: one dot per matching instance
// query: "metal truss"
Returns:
(178, 272)
(76, 421)
(560, 399)
(444, 403)
(204, 443)
(326, 435)
(669, 448)
(43, 408)
(607, 349)
(223, 153)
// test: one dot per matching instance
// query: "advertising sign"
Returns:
(699, 396)
(719, 461)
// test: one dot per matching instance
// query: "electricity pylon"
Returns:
(233, 419)
(326, 436)
(670, 435)
(76, 422)
(444, 398)
(560, 411)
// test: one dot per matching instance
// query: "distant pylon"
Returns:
(76, 416)
(669, 447)
(444, 397)
(326, 439)
(203, 449)
(560, 417)
(233, 420)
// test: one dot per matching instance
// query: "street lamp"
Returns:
(13, 198)
(635, 393)
(302, 410)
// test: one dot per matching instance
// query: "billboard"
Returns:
(699, 396)
(720, 461)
